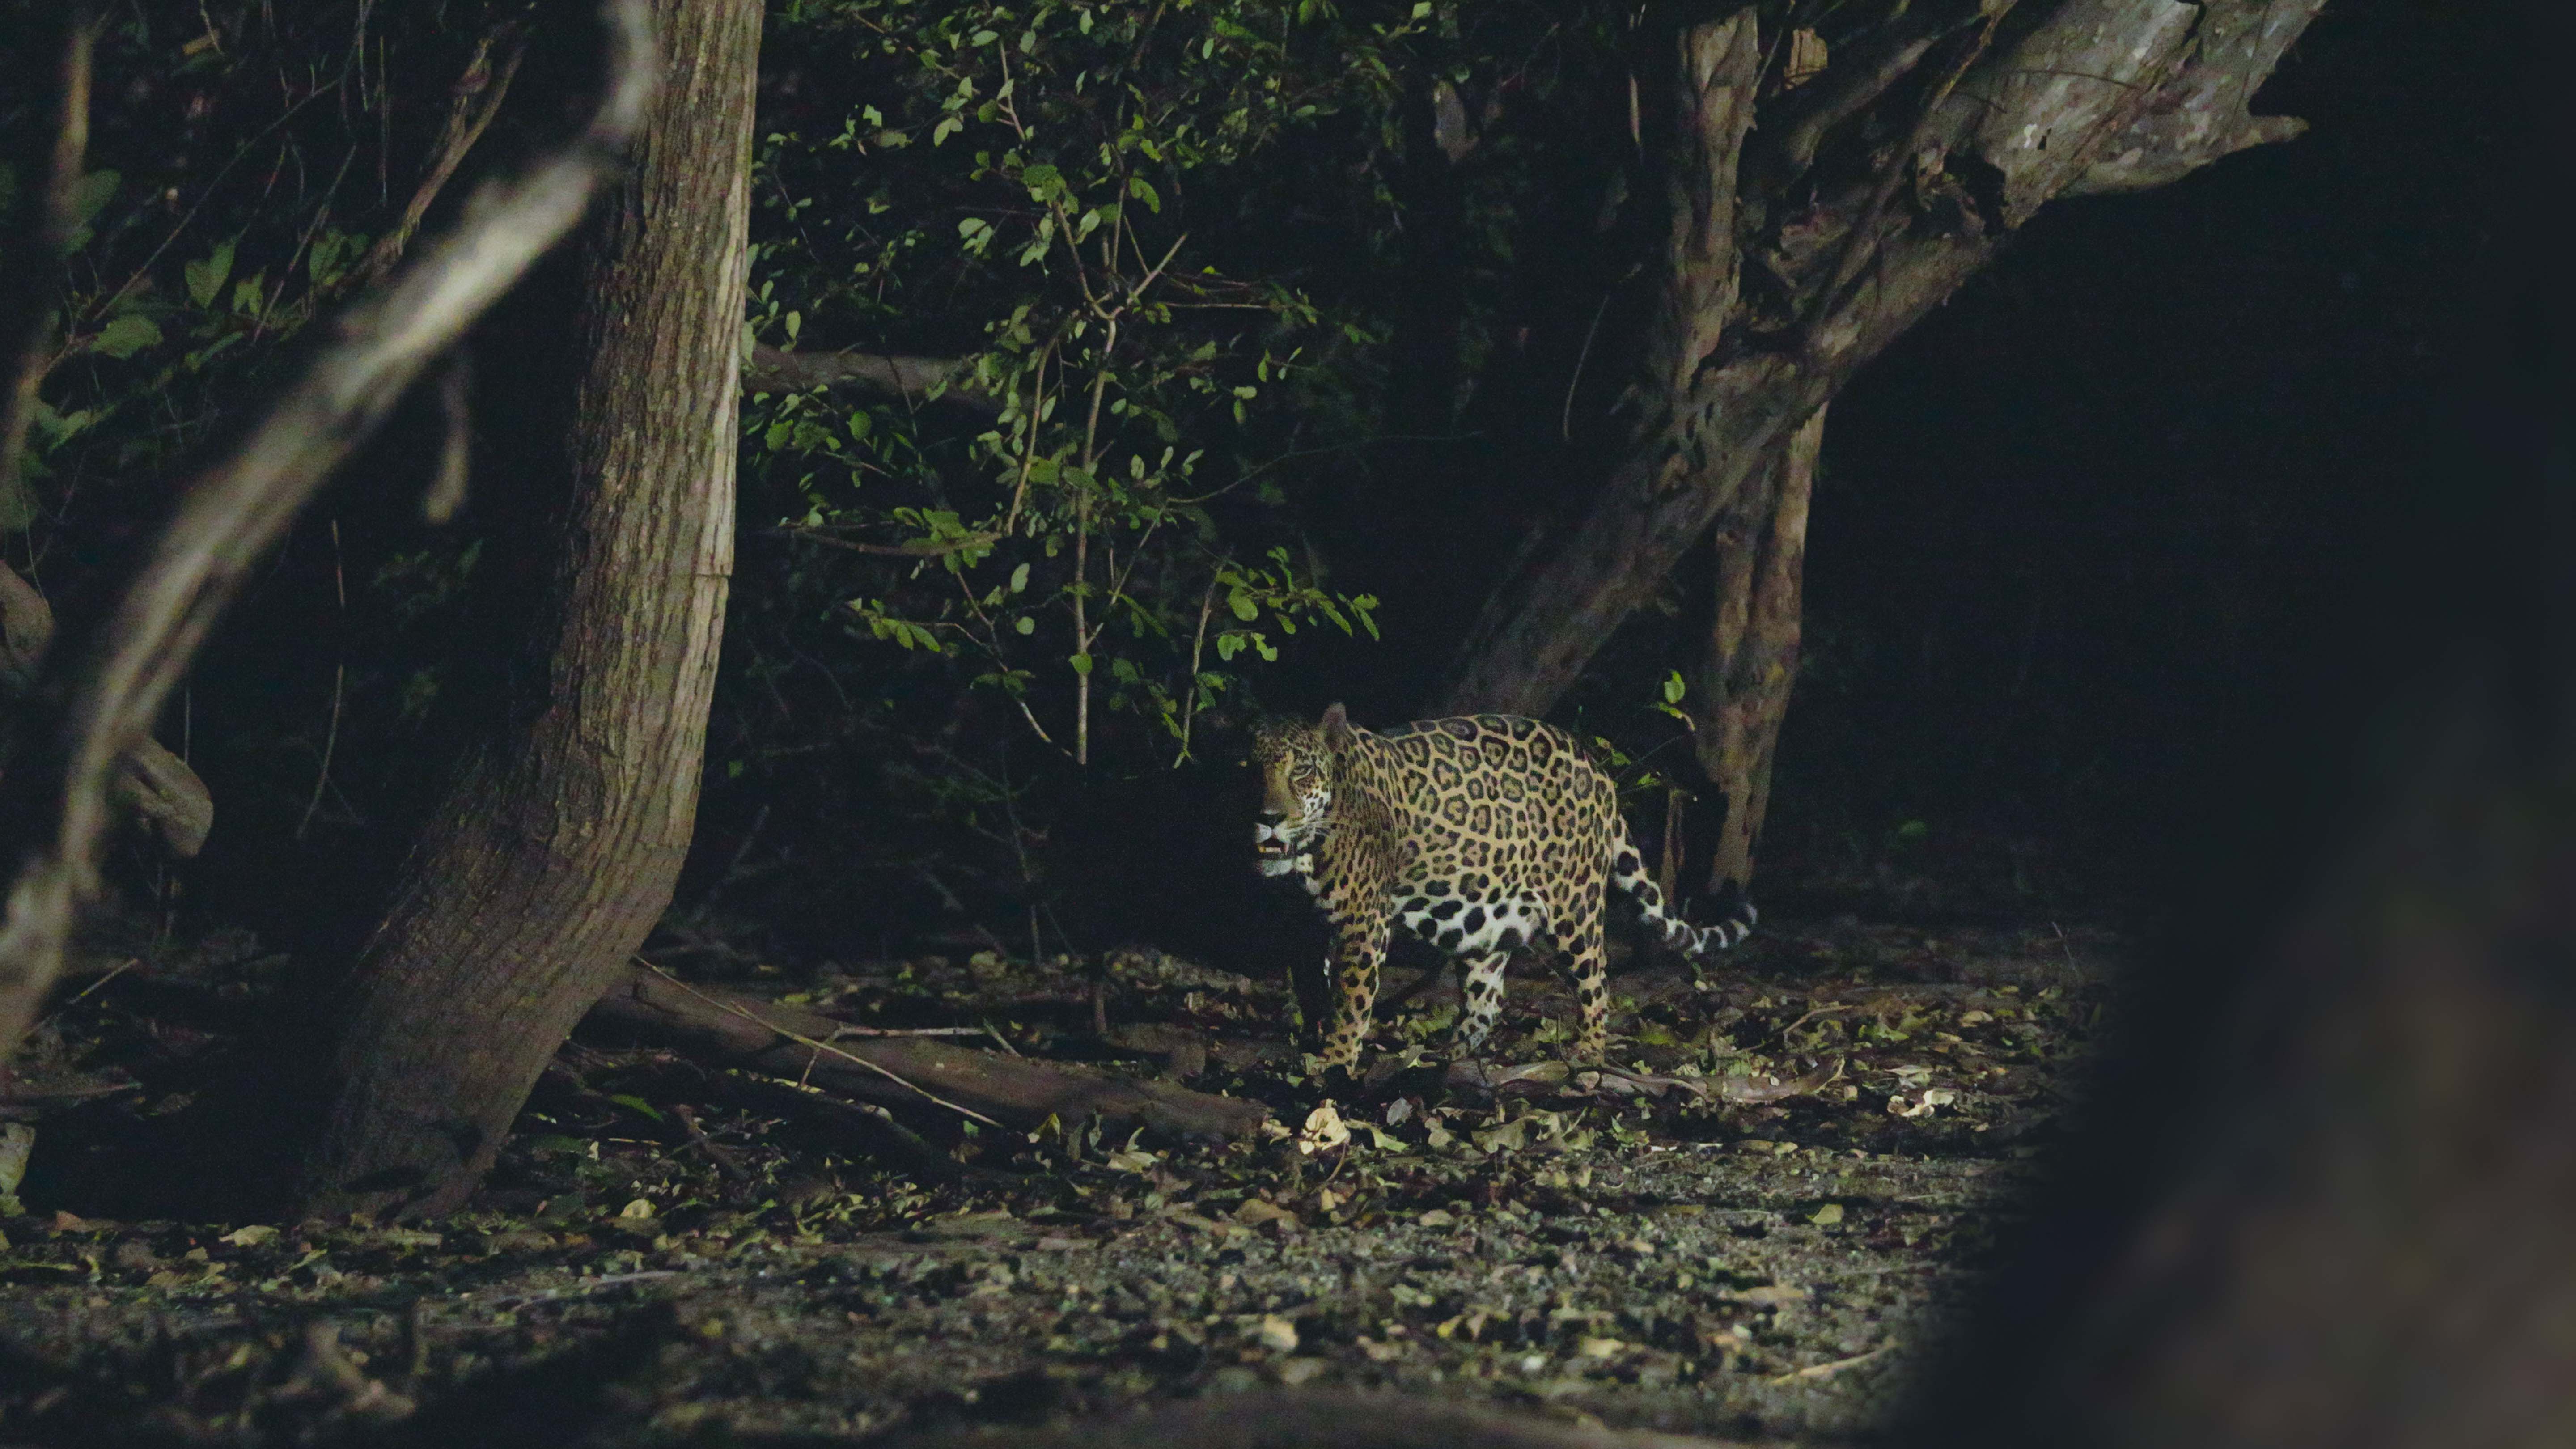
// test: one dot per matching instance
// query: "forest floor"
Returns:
(670, 1254)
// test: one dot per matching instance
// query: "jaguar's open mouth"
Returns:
(1270, 848)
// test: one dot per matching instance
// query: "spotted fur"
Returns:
(1479, 835)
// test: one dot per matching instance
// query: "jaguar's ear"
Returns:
(1337, 724)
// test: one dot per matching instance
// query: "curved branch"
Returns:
(1849, 86)
(772, 369)
(229, 516)
(2202, 114)
(156, 785)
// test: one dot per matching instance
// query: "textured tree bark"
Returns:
(2095, 95)
(1742, 693)
(558, 841)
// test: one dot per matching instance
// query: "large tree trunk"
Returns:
(558, 842)
(1771, 300)
(1742, 692)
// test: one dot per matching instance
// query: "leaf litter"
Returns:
(1754, 1220)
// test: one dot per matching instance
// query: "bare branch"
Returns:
(2201, 114)
(1850, 84)
(156, 785)
(475, 100)
(1862, 238)
(799, 1045)
(2041, 112)
(772, 369)
(924, 548)
(229, 515)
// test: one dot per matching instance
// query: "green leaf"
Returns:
(1024, 624)
(637, 1104)
(1137, 187)
(1674, 688)
(90, 196)
(127, 335)
(1243, 606)
(206, 278)
(1020, 581)
(1081, 663)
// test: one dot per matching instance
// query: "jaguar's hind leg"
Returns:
(1587, 967)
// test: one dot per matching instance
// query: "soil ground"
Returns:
(673, 1254)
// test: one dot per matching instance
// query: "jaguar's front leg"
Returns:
(1359, 948)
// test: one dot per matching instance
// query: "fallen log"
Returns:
(807, 1046)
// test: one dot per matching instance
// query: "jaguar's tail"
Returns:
(1628, 873)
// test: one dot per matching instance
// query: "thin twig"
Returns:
(121, 967)
(1824, 1370)
(1000, 1040)
(339, 684)
(1029, 450)
(1198, 643)
(479, 81)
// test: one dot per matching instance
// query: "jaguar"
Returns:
(1480, 834)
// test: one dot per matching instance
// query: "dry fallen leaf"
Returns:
(1324, 1131)
(1256, 1212)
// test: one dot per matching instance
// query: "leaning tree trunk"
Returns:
(1742, 692)
(557, 843)
(1803, 246)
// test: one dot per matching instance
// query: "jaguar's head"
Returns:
(1297, 776)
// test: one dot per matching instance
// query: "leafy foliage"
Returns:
(1110, 544)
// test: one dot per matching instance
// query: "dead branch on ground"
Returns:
(799, 1045)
